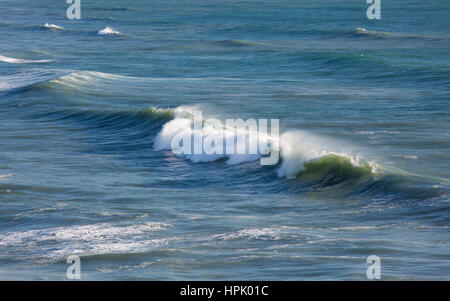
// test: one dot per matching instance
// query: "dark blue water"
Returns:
(363, 107)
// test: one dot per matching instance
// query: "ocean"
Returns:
(87, 107)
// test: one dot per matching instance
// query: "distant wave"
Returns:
(22, 61)
(83, 81)
(235, 43)
(108, 31)
(5, 176)
(116, 8)
(53, 27)
(364, 32)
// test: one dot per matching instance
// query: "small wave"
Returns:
(5, 176)
(364, 32)
(142, 123)
(410, 157)
(21, 61)
(91, 82)
(236, 43)
(115, 8)
(88, 77)
(27, 79)
(99, 83)
(53, 27)
(108, 31)
(360, 31)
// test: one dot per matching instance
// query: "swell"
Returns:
(235, 43)
(83, 81)
(375, 67)
(150, 119)
(374, 34)
(17, 82)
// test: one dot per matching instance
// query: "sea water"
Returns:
(363, 109)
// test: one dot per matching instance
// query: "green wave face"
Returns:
(334, 169)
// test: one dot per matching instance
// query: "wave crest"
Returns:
(108, 31)
(12, 60)
(182, 126)
(302, 152)
(26, 79)
(53, 26)
(364, 32)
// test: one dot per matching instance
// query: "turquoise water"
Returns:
(363, 107)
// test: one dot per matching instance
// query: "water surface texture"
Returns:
(364, 119)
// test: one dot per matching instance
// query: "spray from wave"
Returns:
(233, 144)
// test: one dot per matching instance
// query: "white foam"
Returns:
(182, 126)
(108, 31)
(252, 233)
(59, 242)
(21, 61)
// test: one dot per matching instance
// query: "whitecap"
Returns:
(12, 60)
(108, 31)
(53, 27)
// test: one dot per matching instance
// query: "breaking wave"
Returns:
(302, 154)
